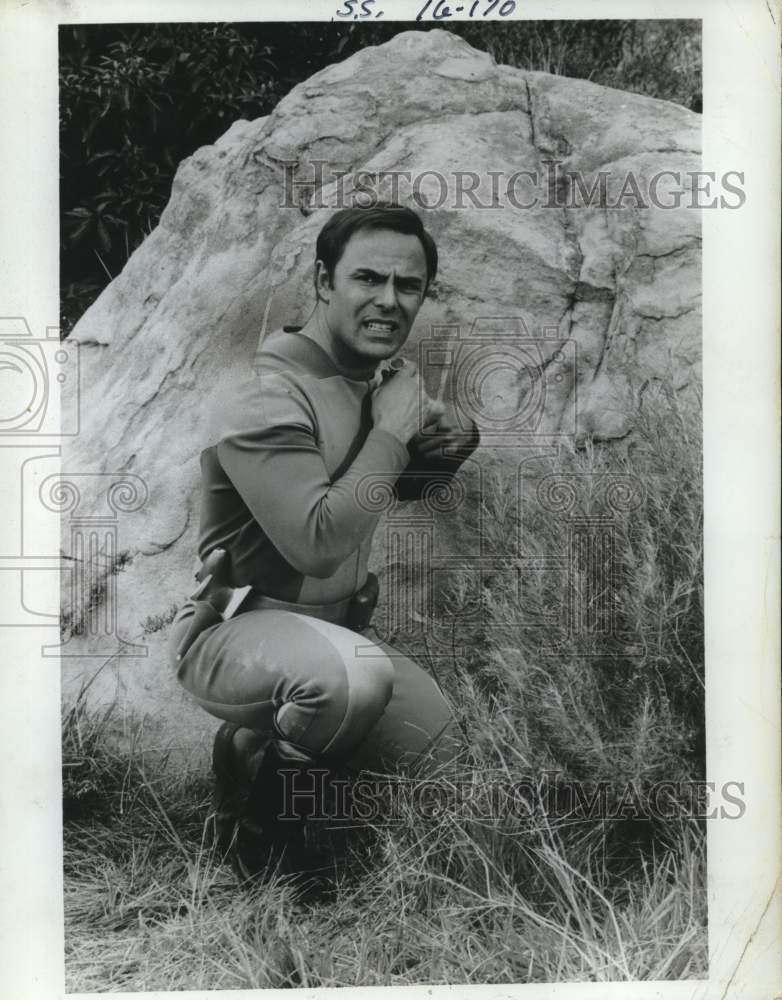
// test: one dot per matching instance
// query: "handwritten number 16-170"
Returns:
(440, 13)
(442, 10)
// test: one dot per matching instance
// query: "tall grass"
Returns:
(620, 698)
(660, 59)
(454, 893)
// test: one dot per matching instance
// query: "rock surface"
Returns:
(591, 304)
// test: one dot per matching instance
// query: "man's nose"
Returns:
(385, 296)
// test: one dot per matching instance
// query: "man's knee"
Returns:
(323, 686)
(370, 686)
(332, 712)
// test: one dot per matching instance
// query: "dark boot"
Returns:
(265, 791)
(290, 789)
(236, 758)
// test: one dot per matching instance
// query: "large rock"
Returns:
(589, 304)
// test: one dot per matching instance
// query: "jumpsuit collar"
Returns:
(306, 350)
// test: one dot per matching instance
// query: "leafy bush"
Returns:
(134, 101)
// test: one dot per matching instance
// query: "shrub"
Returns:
(134, 102)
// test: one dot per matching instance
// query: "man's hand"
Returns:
(441, 432)
(396, 403)
(401, 408)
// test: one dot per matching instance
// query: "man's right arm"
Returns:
(279, 472)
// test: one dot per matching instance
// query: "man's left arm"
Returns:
(435, 455)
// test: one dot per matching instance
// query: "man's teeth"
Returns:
(382, 327)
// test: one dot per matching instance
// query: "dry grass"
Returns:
(538, 894)
(453, 900)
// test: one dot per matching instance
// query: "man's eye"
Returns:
(370, 279)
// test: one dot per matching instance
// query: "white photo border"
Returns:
(741, 267)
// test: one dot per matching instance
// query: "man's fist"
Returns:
(441, 433)
(396, 403)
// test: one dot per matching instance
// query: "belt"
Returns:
(336, 613)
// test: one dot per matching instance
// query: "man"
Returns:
(289, 462)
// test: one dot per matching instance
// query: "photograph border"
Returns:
(741, 309)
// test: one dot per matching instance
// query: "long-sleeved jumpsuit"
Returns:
(289, 458)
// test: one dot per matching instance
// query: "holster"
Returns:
(362, 605)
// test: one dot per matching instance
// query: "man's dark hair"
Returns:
(334, 236)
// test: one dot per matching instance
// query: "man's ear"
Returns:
(323, 286)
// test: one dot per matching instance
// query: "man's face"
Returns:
(377, 290)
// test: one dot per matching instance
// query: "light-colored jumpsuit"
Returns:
(289, 458)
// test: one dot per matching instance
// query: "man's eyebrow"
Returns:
(410, 278)
(369, 271)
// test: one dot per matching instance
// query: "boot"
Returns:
(290, 788)
(236, 758)
(261, 803)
